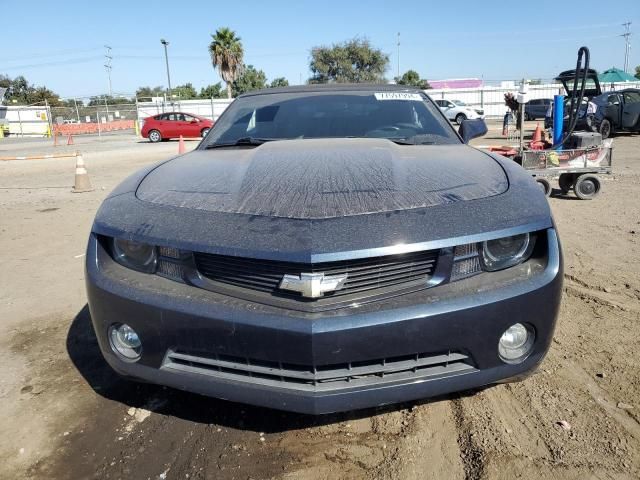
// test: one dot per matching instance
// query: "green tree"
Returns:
(227, 56)
(352, 61)
(212, 91)
(412, 78)
(638, 72)
(43, 94)
(109, 100)
(185, 92)
(146, 93)
(251, 79)
(279, 82)
(20, 91)
(5, 82)
(71, 103)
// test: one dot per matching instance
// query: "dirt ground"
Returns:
(66, 415)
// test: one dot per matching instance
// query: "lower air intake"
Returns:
(321, 378)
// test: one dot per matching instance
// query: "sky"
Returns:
(61, 44)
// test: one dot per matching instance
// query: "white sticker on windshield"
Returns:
(412, 97)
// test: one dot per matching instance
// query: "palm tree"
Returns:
(227, 55)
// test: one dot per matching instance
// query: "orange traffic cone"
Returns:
(69, 140)
(537, 134)
(181, 149)
(82, 182)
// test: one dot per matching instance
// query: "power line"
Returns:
(54, 63)
(627, 45)
(57, 53)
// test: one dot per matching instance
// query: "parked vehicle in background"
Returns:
(458, 111)
(537, 108)
(592, 89)
(582, 121)
(617, 111)
(173, 124)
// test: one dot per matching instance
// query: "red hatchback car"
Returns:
(173, 124)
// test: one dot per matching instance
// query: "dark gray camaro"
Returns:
(326, 249)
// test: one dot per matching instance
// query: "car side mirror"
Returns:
(194, 121)
(472, 129)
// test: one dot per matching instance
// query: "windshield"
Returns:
(405, 117)
(459, 103)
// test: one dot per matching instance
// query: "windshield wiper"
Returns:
(241, 142)
(400, 141)
(405, 141)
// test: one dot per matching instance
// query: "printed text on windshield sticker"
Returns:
(412, 97)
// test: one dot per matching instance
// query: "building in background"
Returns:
(456, 83)
(25, 121)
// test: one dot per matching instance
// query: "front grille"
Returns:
(366, 277)
(321, 378)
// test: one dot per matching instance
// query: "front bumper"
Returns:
(465, 318)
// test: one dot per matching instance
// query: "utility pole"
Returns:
(398, 55)
(166, 59)
(75, 102)
(627, 45)
(108, 57)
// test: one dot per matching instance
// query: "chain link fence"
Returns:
(77, 118)
(93, 113)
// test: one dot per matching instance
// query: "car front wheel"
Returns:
(460, 118)
(204, 132)
(155, 136)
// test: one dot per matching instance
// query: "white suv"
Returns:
(457, 111)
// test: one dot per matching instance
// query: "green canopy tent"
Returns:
(615, 75)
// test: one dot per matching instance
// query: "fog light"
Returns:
(125, 341)
(515, 343)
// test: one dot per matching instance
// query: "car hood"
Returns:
(315, 179)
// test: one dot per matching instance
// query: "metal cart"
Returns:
(576, 169)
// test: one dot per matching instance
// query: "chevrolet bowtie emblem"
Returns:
(312, 285)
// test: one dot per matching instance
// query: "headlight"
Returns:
(135, 255)
(506, 252)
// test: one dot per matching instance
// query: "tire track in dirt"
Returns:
(471, 454)
(428, 447)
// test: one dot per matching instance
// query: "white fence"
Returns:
(208, 108)
(491, 99)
